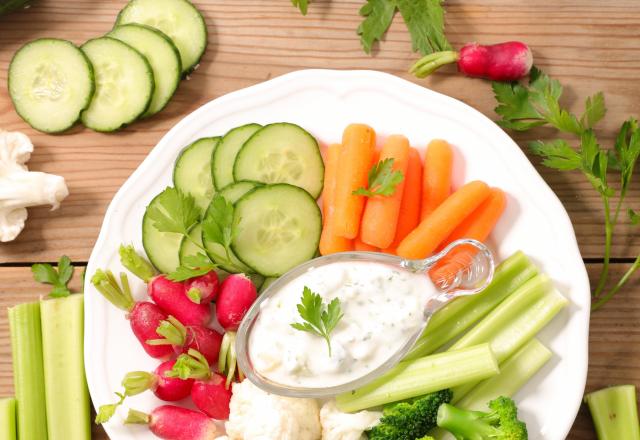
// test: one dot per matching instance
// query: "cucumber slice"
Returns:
(236, 190)
(163, 57)
(192, 172)
(50, 82)
(178, 19)
(282, 153)
(187, 248)
(225, 155)
(162, 248)
(279, 228)
(124, 84)
(217, 253)
(266, 283)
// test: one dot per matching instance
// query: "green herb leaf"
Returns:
(627, 149)
(65, 270)
(557, 154)
(175, 212)
(634, 217)
(58, 278)
(378, 17)
(318, 318)
(383, 180)
(425, 21)
(193, 266)
(218, 225)
(44, 273)
(105, 412)
(301, 4)
(595, 110)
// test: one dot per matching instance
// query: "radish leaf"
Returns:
(425, 21)
(378, 16)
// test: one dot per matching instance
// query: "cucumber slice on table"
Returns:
(162, 248)
(281, 153)
(218, 254)
(50, 82)
(192, 171)
(178, 19)
(236, 190)
(279, 228)
(163, 57)
(124, 84)
(225, 155)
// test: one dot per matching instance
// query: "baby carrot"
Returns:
(434, 229)
(360, 245)
(330, 242)
(478, 225)
(381, 213)
(436, 179)
(358, 143)
(411, 197)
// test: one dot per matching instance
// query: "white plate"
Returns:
(324, 102)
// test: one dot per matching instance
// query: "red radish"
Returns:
(508, 61)
(203, 289)
(175, 423)
(207, 341)
(209, 392)
(165, 388)
(144, 317)
(171, 297)
(237, 293)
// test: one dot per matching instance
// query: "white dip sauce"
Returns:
(382, 306)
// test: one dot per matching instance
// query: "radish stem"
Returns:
(428, 64)
(173, 331)
(106, 284)
(136, 264)
(137, 417)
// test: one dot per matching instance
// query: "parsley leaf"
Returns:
(219, 225)
(383, 180)
(318, 318)
(634, 217)
(425, 21)
(594, 110)
(105, 412)
(175, 212)
(192, 266)
(378, 16)
(302, 5)
(557, 154)
(47, 274)
(627, 149)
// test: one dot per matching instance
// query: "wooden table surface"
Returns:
(589, 45)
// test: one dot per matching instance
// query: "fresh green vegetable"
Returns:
(28, 370)
(46, 274)
(457, 316)
(236, 190)
(7, 6)
(224, 156)
(8, 418)
(422, 376)
(500, 424)
(319, 318)
(192, 171)
(301, 4)
(192, 266)
(192, 245)
(615, 413)
(378, 15)
(523, 107)
(135, 263)
(410, 420)
(67, 397)
(382, 180)
(105, 412)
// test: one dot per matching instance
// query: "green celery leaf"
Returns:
(425, 21)
(378, 17)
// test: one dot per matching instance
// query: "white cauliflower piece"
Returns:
(337, 425)
(258, 415)
(21, 188)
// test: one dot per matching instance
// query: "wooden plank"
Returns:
(256, 40)
(614, 336)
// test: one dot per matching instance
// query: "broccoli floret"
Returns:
(500, 424)
(410, 420)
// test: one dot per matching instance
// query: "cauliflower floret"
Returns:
(258, 415)
(337, 425)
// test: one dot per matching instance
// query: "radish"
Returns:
(202, 289)
(164, 387)
(175, 423)
(207, 341)
(508, 61)
(237, 293)
(144, 317)
(171, 297)
(209, 392)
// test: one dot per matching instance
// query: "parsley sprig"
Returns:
(382, 180)
(58, 277)
(523, 107)
(319, 318)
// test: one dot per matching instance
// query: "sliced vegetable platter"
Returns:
(324, 102)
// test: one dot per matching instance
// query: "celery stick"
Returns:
(615, 413)
(67, 397)
(8, 418)
(416, 378)
(462, 313)
(28, 374)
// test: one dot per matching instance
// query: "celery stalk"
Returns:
(67, 397)
(459, 315)
(514, 322)
(425, 375)
(615, 413)
(28, 371)
(8, 418)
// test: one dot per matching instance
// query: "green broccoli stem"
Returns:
(615, 413)
(465, 424)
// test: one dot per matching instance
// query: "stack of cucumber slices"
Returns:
(272, 175)
(110, 81)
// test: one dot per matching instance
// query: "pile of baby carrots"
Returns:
(422, 215)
